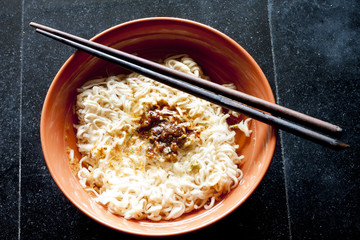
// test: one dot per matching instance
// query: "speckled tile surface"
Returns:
(317, 58)
(10, 71)
(309, 52)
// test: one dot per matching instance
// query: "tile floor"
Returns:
(309, 51)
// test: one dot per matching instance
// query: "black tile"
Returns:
(317, 71)
(10, 68)
(316, 56)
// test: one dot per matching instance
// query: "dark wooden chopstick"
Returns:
(185, 83)
(252, 101)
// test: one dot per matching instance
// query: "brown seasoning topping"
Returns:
(164, 128)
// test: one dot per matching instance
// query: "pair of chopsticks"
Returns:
(311, 128)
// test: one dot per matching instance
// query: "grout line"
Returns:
(20, 113)
(280, 132)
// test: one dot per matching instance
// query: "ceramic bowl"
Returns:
(221, 58)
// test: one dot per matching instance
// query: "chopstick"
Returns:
(212, 92)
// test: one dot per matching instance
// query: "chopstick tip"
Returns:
(342, 145)
(339, 129)
(34, 24)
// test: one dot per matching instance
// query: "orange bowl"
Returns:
(221, 58)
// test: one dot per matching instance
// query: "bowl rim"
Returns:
(271, 143)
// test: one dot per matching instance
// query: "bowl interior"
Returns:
(220, 57)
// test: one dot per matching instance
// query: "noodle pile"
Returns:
(128, 172)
